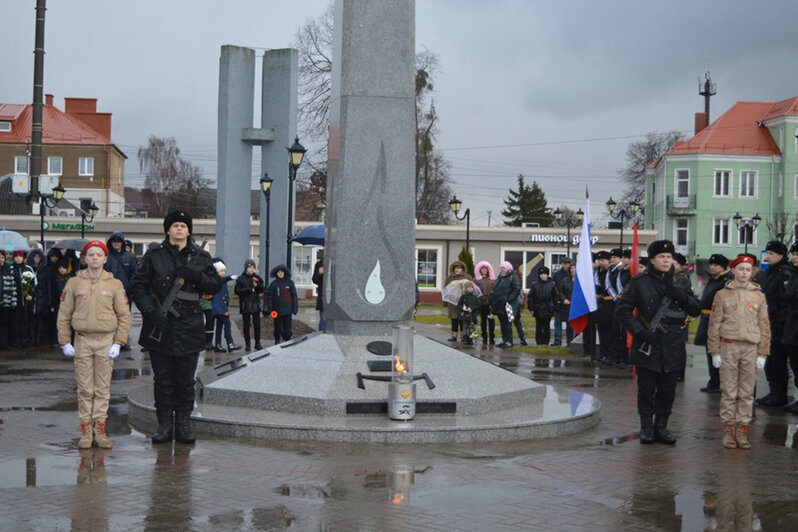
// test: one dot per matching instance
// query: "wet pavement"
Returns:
(600, 479)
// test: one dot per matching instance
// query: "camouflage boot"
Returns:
(85, 436)
(100, 439)
(729, 438)
(742, 436)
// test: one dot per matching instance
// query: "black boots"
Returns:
(646, 429)
(661, 433)
(165, 432)
(183, 427)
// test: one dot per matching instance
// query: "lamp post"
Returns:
(87, 208)
(266, 188)
(747, 223)
(567, 223)
(48, 201)
(297, 153)
(622, 214)
(455, 205)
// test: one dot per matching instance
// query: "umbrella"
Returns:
(71, 243)
(310, 235)
(11, 240)
(454, 290)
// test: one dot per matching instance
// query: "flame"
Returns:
(398, 498)
(400, 367)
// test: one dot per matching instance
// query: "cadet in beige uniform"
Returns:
(738, 340)
(94, 304)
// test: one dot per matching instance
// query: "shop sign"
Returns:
(560, 239)
(59, 226)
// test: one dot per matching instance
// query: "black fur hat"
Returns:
(660, 246)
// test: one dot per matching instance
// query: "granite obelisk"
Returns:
(369, 244)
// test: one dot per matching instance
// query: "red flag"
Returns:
(633, 271)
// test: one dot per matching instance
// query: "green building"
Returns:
(745, 162)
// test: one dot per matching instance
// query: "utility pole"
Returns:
(489, 213)
(38, 103)
(707, 90)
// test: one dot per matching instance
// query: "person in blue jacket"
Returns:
(220, 308)
(281, 302)
(122, 264)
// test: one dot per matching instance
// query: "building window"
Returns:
(86, 166)
(747, 184)
(680, 230)
(720, 233)
(5, 125)
(746, 232)
(722, 183)
(21, 164)
(427, 268)
(682, 183)
(526, 264)
(55, 165)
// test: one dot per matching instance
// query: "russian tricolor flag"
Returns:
(583, 299)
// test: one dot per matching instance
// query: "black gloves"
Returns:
(677, 294)
(189, 274)
(648, 336)
(158, 319)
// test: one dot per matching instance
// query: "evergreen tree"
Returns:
(466, 258)
(527, 204)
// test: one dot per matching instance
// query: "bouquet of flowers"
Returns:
(28, 285)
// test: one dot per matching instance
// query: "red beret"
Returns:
(91, 243)
(18, 253)
(741, 259)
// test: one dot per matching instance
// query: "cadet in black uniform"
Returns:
(719, 274)
(174, 343)
(605, 308)
(658, 352)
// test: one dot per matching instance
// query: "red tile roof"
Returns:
(57, 127)
(782, 108)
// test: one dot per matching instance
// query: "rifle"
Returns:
(655, 325)
(167, 306)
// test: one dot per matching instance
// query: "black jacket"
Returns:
(318, 280)
(153, 282)
(566, 288)
(645, 294)
(249, 300)
(790, 334)
(544, 298)
(281, 295)
(714, 284)
(774, 286)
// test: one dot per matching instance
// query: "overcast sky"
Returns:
(555, 90)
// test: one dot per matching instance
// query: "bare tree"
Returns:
(174, 181)
(638, 156)
(314, 44)
(782, 226)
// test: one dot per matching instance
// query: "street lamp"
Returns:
(567, 223)
(747, 224)
(48, 201)
(455, 205)
(87, 208)
(266, 188)
(622, 214)
(297, 153)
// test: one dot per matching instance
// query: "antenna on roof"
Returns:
(707, 89)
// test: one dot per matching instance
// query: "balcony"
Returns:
(680, 205)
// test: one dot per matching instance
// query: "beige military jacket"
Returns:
(94, 306)
(739, 313)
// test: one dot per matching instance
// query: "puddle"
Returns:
(38, 472)
(617, 440)
(783, 435)
(311, 491)
(128, 374)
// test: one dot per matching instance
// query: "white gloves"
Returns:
(114, 351)
(760, 362)
(68, 350)
(716, 361)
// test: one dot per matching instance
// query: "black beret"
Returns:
(616, 252)
(565, 259)
(776, 247)
(627, 253)
(177, 216)
(603, 255)
(720, 260)
(660, 246)
(681, 259)
(543, 269)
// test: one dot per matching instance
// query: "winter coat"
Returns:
(790, 334)
(544, 298)
(566, 288)
(249, 299)
(739, 313)
(645, 294)
(318, 280)
(94, 306)
(774, 286)
(12, 285)
(453, 311)
(152, 284)
(714, 283)
(468, 304)
(220, 302)
(506, 290)
(42, 262)
(485, 284)
(122, 264)
(281, 295)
